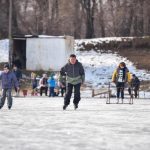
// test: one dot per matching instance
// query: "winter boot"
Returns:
(75, 106)
(9, 107)
(64, 107)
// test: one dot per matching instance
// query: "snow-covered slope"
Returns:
(4, 46)
(99, 66)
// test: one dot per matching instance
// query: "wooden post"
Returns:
(10, 33)
(92, 92)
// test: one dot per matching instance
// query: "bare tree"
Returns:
(101, 18)
(80, 18)
(89, 7)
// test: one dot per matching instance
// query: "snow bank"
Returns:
(99, 66)
(4, 47)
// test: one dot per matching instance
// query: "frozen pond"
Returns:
(41, 124)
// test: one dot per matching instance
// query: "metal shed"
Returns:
(42, 52)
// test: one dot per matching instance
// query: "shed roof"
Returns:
(23, 37)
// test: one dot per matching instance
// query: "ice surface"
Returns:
(41, 124)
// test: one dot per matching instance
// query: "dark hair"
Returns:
(14, 65)
(6, 66)
(123, 64)
(73, 55)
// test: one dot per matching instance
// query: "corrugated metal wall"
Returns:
(48, 53)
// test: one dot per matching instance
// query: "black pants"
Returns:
(135, 89)
(120, 89)
(69, 93)
(51, 92)
(63, 90)
(45, 89)
(6, 92)
(16, 89)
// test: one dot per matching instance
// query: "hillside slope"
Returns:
(99, 64)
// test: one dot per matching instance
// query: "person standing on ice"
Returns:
(18, 74)
(75, 76)
(8, 80)
(52, 84)
(134, 85)
(120, 77)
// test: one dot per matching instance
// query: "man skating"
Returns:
(8, 80)
(75, 76)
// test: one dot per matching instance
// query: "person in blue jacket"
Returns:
(52, 85)
(8, 80)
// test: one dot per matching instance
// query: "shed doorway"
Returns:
(19, 53)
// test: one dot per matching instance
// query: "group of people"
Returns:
(46, 84)
(72, 76)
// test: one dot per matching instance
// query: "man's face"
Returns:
(6, 70)
(15, 68)
(72, 60)
(121, 66)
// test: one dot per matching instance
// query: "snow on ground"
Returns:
(101, 40)
(99, 66)
(4, 46)
(41, 124)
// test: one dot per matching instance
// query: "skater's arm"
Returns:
(82, 73)
(62, 73)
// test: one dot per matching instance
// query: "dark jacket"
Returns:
(135, 82)
(8, 80)
(18, 74)
(74, 73)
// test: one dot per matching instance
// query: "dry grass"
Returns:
(145, 85)
(140, 57)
